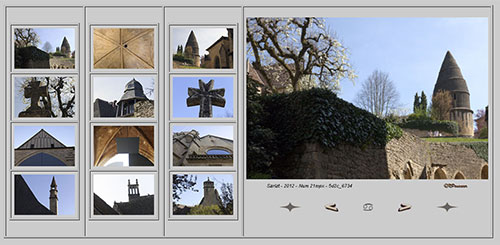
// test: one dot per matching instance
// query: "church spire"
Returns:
(53, 196)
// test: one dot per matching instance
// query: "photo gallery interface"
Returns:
(260, 121)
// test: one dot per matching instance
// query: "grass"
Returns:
(454, 139)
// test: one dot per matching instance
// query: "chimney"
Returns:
(53, 196)
(133, 190)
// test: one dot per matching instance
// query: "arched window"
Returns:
(42, 159)
(440, 174)
(459, 175)
(218, 152)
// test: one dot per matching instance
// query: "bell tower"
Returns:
(53, 196)
(133, 190)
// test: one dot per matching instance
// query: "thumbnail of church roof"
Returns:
(137, 204)
(43, 149)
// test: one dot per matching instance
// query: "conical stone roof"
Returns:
(450, 77)
(133, 90)
(193, 43)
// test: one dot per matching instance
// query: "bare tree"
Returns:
(378, 94)
(441, 105)
(47, 47)
(297, 47)
(25, 37)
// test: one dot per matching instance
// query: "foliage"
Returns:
(205, 210)
(183, 59)
(441, 105)
(297, 47)
(58, 53)
(431, 125)
(483, 134)
(419, 115)
(480, 121)
(480, 148)
(182, 183)
(260, 140)
(25, 37)
(47, 47)
(378, 94)
(227, 198)
(318, 115)
(423, 102)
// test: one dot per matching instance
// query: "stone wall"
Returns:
(423, 133)
(145, 109)
(408, 157)
(66, 155)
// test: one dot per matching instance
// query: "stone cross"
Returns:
(206, 97)
(33, 91)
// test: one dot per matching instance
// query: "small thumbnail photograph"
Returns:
(47, 96)
(203, 97)
(124, 194)
(124, 146)
(44, 194)
(202, 194)
(123, 96)
(123, 48)
(200, 145)
(44, 146)
(44, 48)
(202, 47)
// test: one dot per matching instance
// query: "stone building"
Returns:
(42, 149)
(65, 48)
(133, 103)
(192, 50)
(189, 149)
(220, 53)
(26, 203)
(450, 79)
(136, 205)
(31, 57)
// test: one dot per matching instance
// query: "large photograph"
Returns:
(367, 98)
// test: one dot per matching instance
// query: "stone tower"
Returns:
(450, 79)
(210, 194)
(53, 196)
(65, 48)
(133, 190)
(133, 93)
(192, 50)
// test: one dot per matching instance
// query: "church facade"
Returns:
(189, 149)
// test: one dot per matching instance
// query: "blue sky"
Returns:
(221, 131)
(55, 37)
(180, 94)
(111, 88)
(40, 186)
(205, 36)
(65, 134)
(114, 187)
(192, 198)
(411, 50)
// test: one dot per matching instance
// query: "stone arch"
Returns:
(440, 174)
(484, 172)
(459, 175)
(37, 152)
(219, 148)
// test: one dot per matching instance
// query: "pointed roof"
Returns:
(25, 202)
(42, 140)
(133, 90)
(65, 44)
(450, 76)
(53, 184)
(193, 43)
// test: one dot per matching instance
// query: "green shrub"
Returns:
(183, 59)
(483, 134)
(480, 148)
(205, 210)
(432, 125)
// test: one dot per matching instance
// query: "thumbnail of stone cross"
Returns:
(206, 97)
(33, 92)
